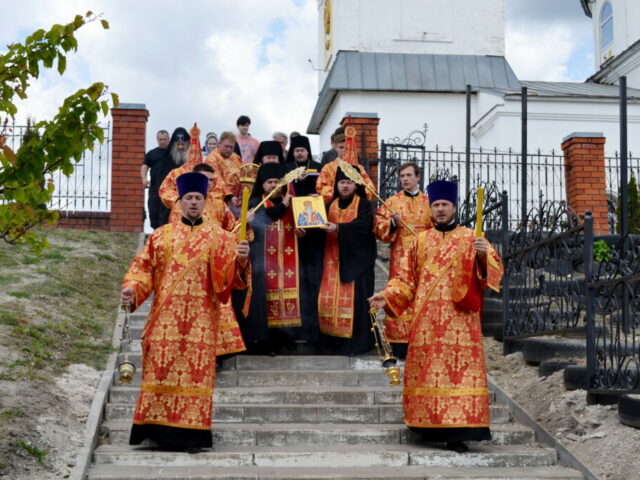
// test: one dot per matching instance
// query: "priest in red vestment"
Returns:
(327, 178)
(410, 207)
(445, 396)
(348, 272)
(190, 267)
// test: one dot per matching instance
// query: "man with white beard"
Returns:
(175, 155)
(179, 146)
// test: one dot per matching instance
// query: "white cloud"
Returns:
(193, 61)
(540, 53)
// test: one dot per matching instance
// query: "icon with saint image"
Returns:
(309, 212)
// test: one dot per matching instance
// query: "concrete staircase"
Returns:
(312, 417)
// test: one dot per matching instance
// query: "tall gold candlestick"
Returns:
(479, 212)
(243, 213)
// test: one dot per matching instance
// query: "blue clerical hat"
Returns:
(192, 182)
(443, 190)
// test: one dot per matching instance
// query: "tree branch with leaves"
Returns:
(24, 189)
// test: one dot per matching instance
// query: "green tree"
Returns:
(60, 142)
(633, 206)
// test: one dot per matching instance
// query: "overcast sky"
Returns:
(212, 60)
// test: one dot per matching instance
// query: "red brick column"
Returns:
(366, 125)
(128, 149)
(585, 177)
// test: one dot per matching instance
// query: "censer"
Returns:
(126, 368)
(388, 360)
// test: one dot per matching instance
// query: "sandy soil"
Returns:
(592, 433)
(53, 419)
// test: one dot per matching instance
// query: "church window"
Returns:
(606, 25)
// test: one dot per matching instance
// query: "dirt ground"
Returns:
(51, 419)
(592, 433)
(57, 314)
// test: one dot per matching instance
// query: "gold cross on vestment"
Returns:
(272, 274)
(288, 250)
(271, 250)
(289, 273)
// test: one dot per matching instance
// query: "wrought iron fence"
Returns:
(613, 312)
(544, 274)
(545, 172)
(88, 188)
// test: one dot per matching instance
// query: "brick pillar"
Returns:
(128, 149)
(585, 177)
(366, 125)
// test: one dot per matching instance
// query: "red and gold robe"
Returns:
(327, 180)
(228, 173)
(415, 211)
(445, 381)
(348, 276)
(191, 271)
(229, 335)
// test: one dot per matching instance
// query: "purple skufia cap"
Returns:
(192, 182)
(443, 190)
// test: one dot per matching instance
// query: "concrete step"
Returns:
(319, 456)
(292, 378)
(301, 413)
(281, 434)
(418, 472)
(288, 362)
(279, 394)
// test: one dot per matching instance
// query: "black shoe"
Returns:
(459, 447)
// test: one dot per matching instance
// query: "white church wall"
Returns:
(626, 28)
(401, 113)
(411, 26)
(496, 120)
(549, 121)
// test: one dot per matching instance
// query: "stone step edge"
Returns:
(124, 425)
(348, 456)
(305, 405)
(417, 472)
(383, 447)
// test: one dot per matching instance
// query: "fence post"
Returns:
(467, 148)
(624, 207)
(589, 298)
(523, 155)
(585, 180)
(505, 277)
(128, 149)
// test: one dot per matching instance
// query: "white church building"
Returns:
(409, 63)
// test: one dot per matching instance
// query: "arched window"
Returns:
(606, 25)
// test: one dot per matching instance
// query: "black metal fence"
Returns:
(612, 301)
(544, 275)
(545, 173)
(88, 188)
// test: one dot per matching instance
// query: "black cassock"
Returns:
(310, 256)
(357, 253)
(258, 337)
(160, 164)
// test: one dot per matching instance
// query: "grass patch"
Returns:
(53, 255)
(71, 304)
(9, 318)
(20, 294)
(8, 278)
(9, 413)
(33, 450)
